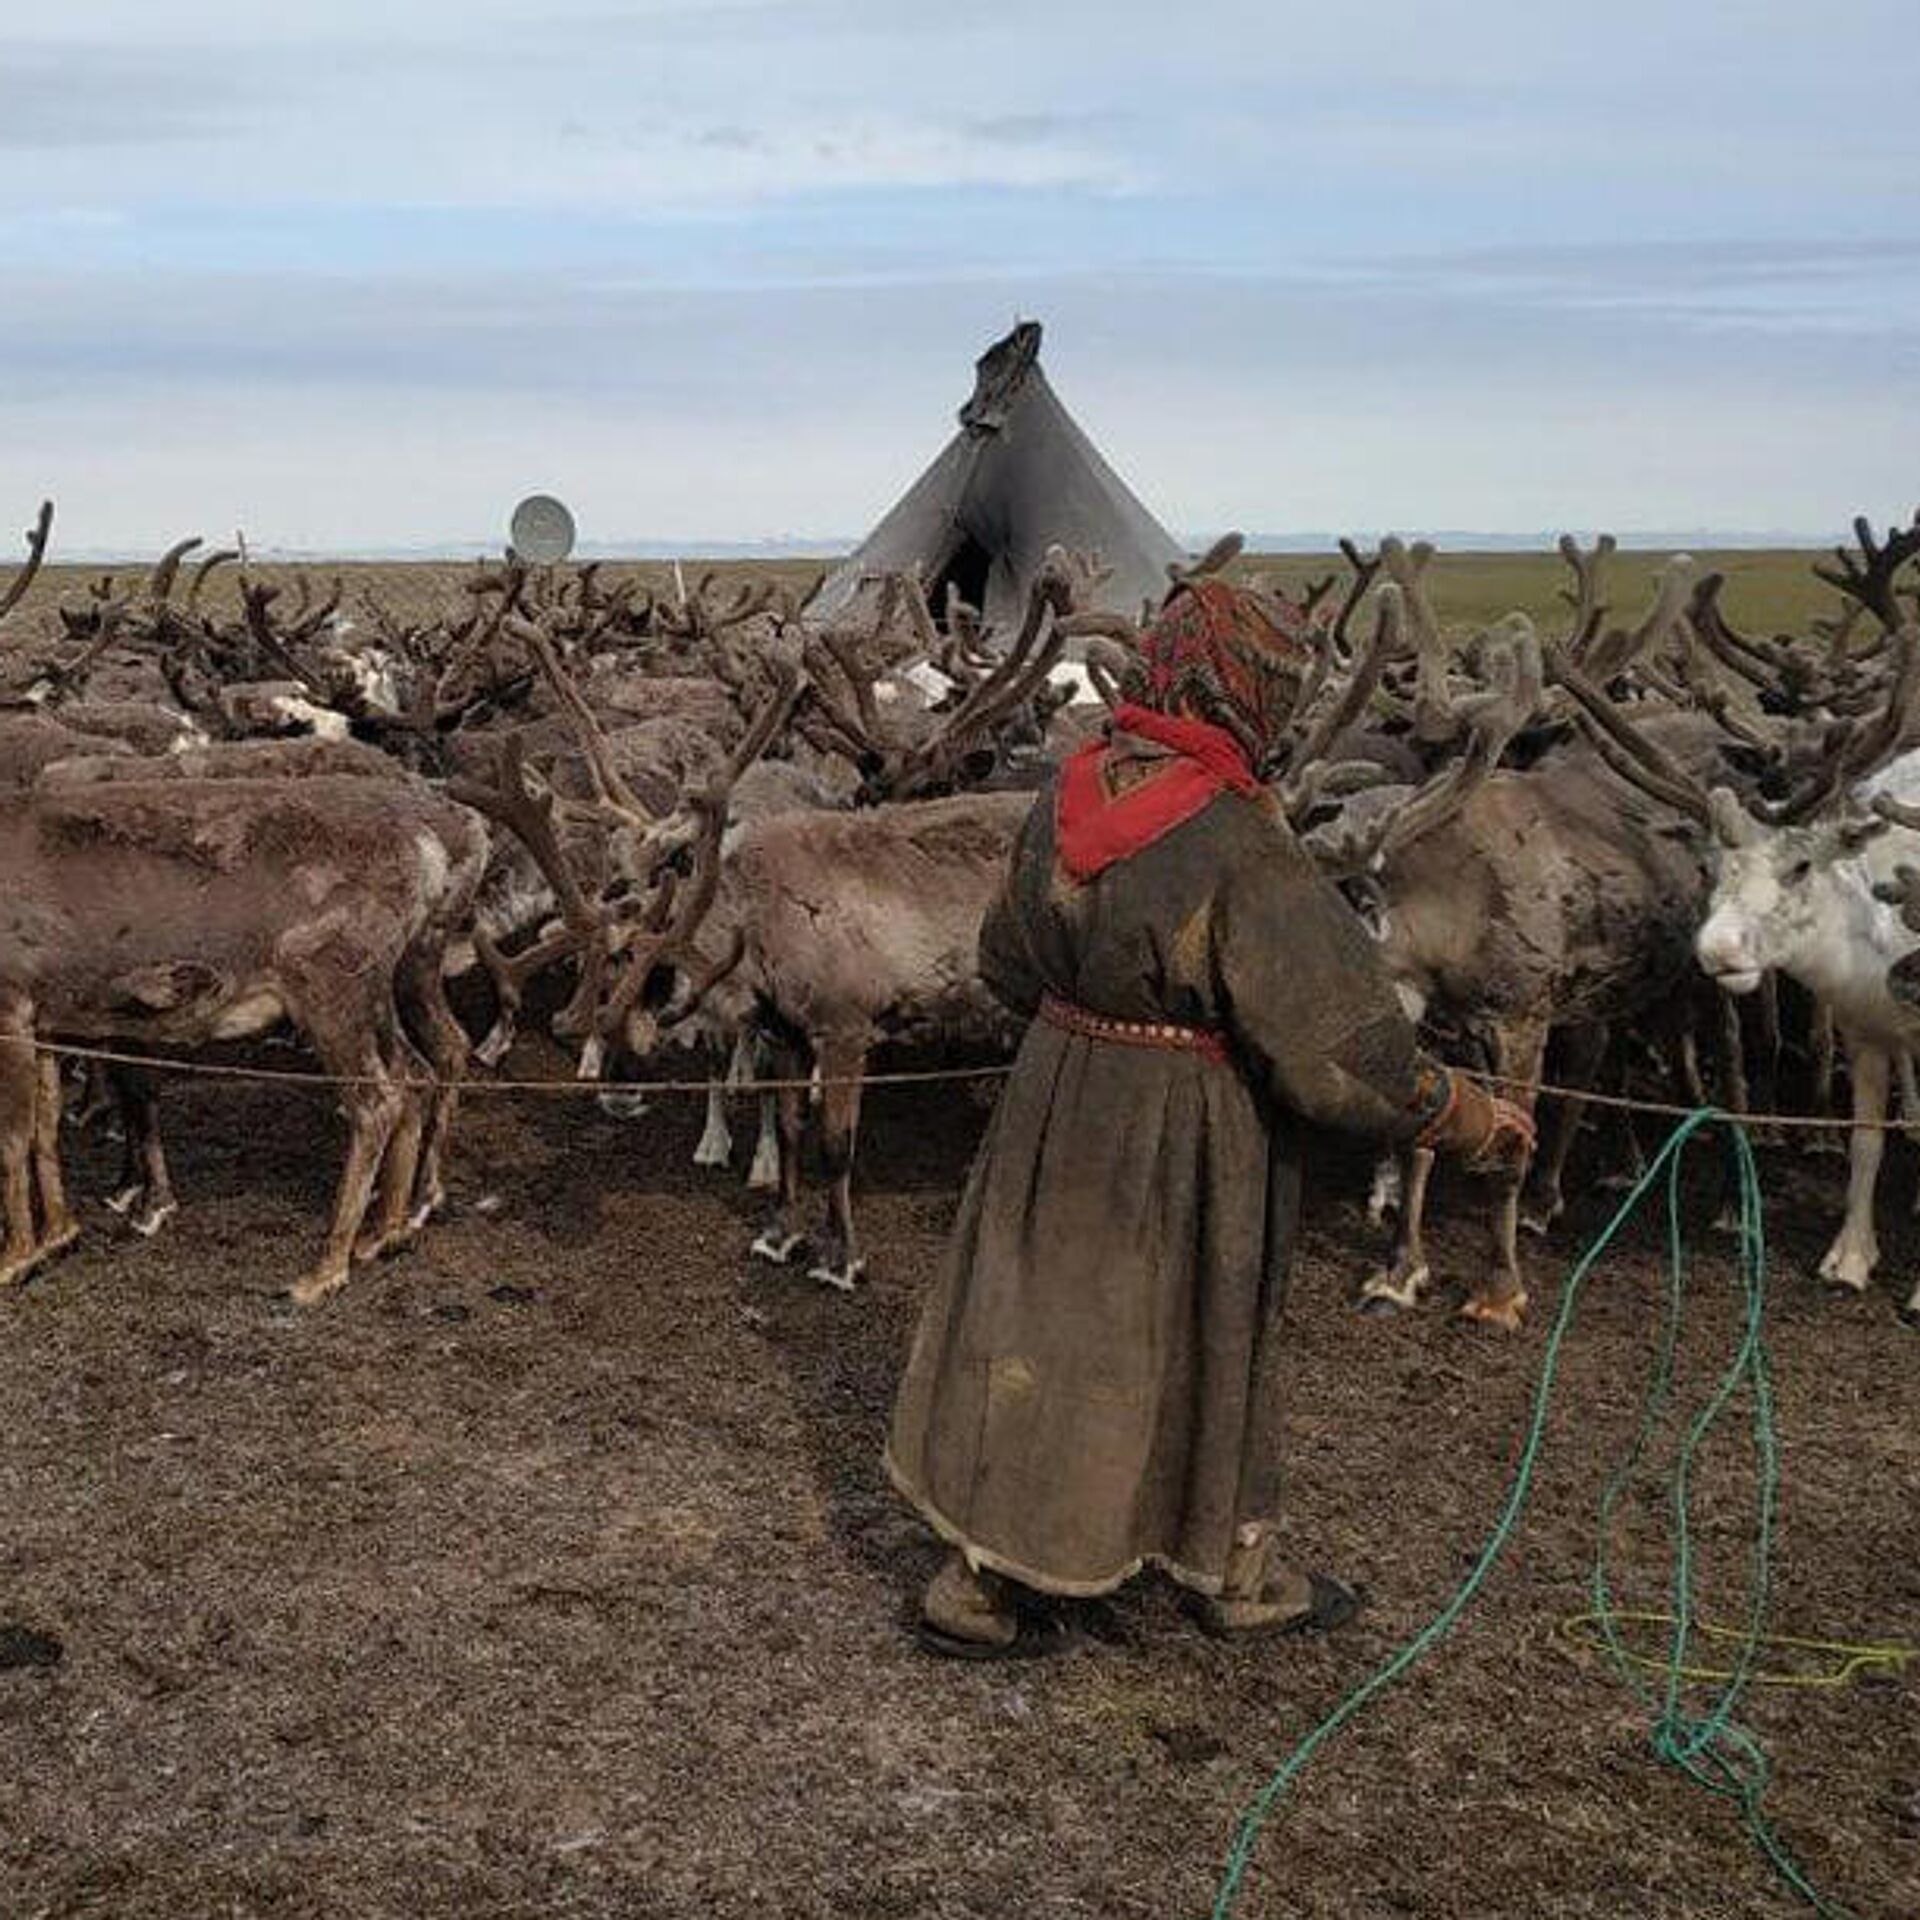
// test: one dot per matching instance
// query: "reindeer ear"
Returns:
(1733, 825)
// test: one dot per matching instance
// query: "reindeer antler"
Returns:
(1434, 719)
(1588, 609)
(512, 801)
(37, 536)
(1869, 578)
(1306, 779)
(1217, 559)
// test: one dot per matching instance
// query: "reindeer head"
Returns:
(1795, 875)
(1791, 898)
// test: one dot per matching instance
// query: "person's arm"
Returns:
(1312, 1011)
(1008, 964)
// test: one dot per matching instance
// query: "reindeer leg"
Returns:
(146, 1195)
(1855, 1252)
(392, 1226)
(1400, 1284)
(1825, 1065)
(1586, 1049)
(1692, 1082)
(1500, 1300)
(781, 1239)
(764, 1174)
(128, 1097)
(498, 1040)
(1626, 1162)
(439, 1035)
(94, 1102)
(19, 1120)
(842, 1061)
(349, 1048)
(58, 1226)
(716, 1137)
(1388, 1193)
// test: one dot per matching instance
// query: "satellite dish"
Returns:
(541, 529)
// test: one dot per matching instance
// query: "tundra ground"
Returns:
(550, 1570)
(1769, 590)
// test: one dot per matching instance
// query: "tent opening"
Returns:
(966, 572)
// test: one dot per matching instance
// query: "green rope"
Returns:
(1706, 1746)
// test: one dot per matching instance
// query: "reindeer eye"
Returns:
(1800, 869)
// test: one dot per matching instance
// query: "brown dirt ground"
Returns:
(550, 1571)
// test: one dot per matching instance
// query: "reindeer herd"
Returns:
(760, 845)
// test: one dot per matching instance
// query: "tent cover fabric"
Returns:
(1018, 477)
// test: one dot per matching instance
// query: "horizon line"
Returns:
(1312, 543)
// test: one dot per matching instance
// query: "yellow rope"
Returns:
(1583, 1630)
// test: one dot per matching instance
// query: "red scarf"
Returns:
(1093, 829)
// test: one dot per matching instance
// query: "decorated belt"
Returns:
(1135, 1033)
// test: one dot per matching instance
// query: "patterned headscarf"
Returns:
(1227, 656)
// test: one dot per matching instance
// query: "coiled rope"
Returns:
(1703, 1742)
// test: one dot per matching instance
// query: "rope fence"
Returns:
(901, 1077)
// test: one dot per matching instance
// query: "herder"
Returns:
(1095, 1383)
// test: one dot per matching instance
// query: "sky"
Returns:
(351, 275)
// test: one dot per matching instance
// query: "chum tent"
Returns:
(1017, 478)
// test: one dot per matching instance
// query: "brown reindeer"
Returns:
(1510, 903)
(174, 913)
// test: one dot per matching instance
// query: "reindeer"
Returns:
(1513, 902)
(856, 928)
(177, 913)
(1814, 883)
(841, 929)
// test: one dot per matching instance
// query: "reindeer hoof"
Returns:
(310, 1289)
(1509, 1315)
(1847, 1272)
(621, 1103)
(494, 1048)
(842, 1279)
(1540, 1222)
(124, 1202)
(715, 1153)
(776, 1247)
(16, 1269)
(149, 1220)
(1386, 1293)
(385, 1242)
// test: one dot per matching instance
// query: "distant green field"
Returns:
(1773, 590)
(1768, 590)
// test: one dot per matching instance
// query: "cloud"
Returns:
(355, 271)
(70, 97)
(404, 410)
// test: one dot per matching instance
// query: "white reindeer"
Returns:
(1804, 899)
